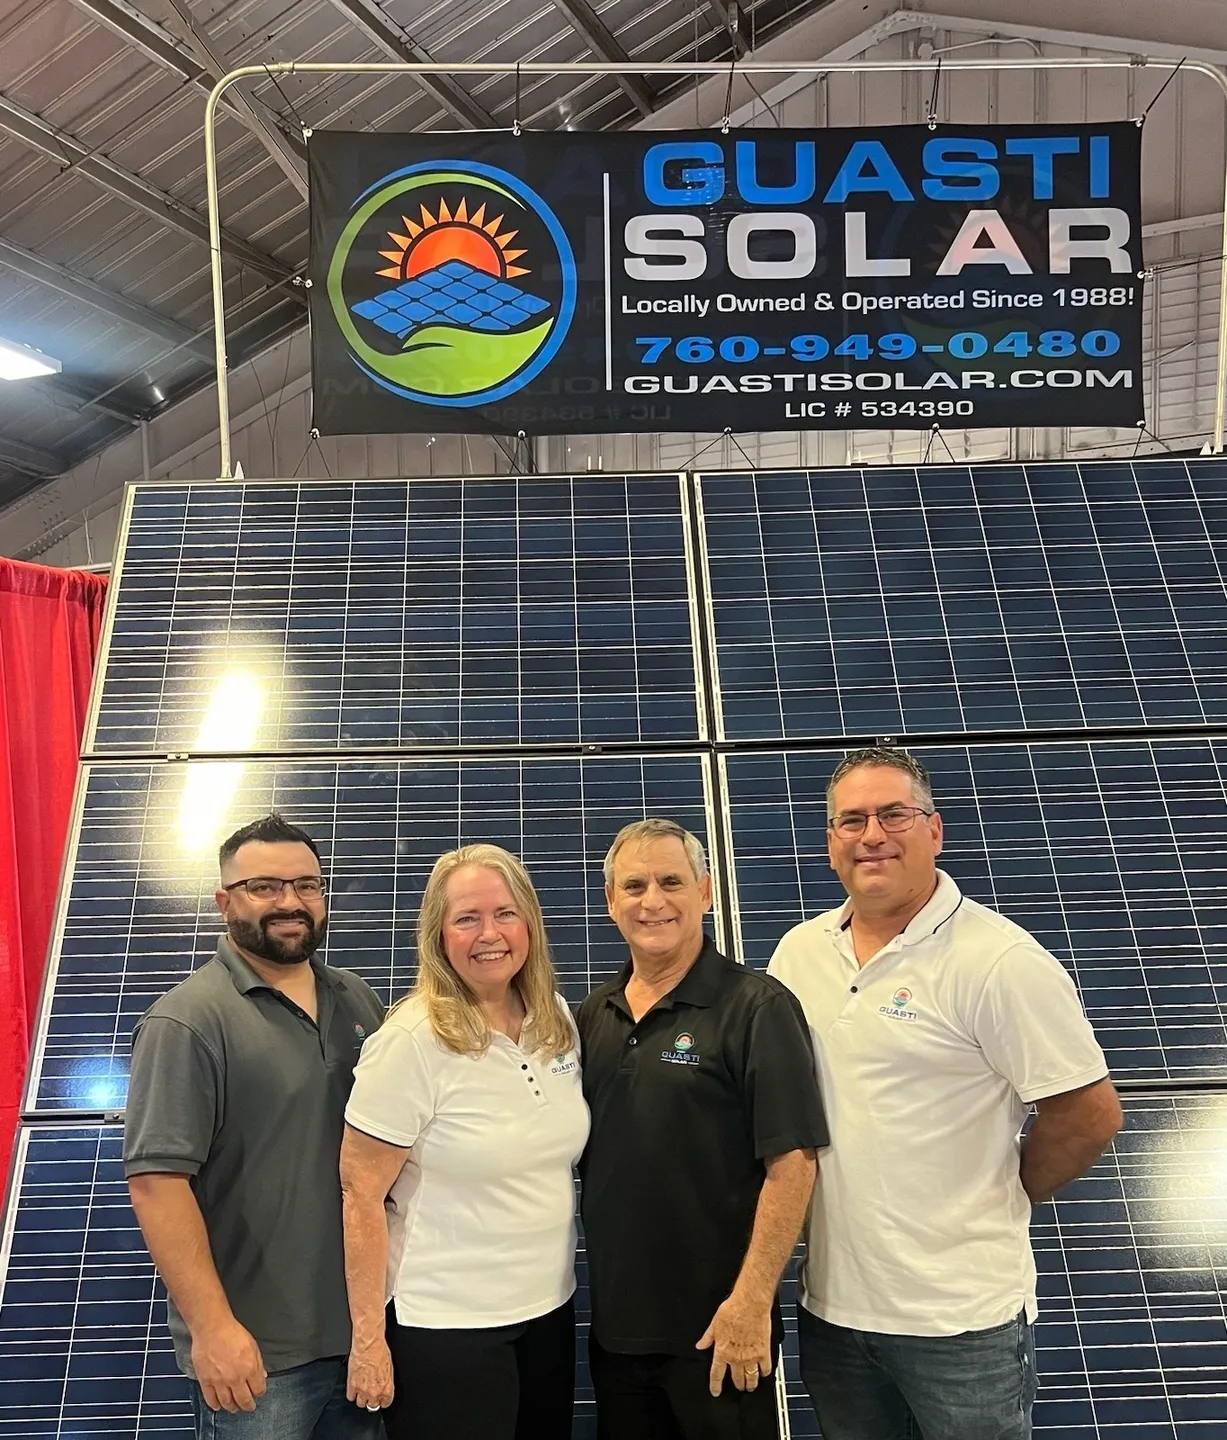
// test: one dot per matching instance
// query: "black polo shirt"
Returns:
(686, 1107)
(237, 1087)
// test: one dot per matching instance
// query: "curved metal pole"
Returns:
(668, 68)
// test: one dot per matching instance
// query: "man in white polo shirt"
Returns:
(936, 1024)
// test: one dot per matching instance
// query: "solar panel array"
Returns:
(140, 913)
(336, 616)
(401, 666)
(1132, 1261)
(970, 599)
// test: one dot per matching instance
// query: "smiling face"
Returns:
(656, 902)
(285, 930)
(883, 873)
(485, 934)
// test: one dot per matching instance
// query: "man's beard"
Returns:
(254, 937)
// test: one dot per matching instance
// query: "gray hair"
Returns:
(884, 757)
(657, 830)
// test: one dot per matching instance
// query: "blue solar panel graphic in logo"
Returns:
(456, 293)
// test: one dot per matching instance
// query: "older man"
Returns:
(705, 1118)
(232, 1143)
(936, 1023)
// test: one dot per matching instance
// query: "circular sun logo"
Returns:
(453, 283)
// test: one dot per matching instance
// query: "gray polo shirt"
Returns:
(235, 1086)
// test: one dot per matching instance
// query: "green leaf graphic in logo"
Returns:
(458, 317)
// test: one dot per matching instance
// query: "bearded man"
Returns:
(232, 1142)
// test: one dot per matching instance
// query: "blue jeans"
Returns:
(867, 1386)
(306, 1403)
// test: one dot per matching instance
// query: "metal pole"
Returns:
(677, 69)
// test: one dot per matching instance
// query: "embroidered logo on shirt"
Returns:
(897, 1009)
(564, 1065)
(359, 1032)
(681, 1054)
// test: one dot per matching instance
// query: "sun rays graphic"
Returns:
(432, 240)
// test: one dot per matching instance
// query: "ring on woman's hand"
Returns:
(373, 1407)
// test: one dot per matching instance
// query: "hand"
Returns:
(370, 1376)
(739, 1337)
(229, 1368)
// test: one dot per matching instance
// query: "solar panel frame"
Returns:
(1063, 838)
(917, 635)
(138, 913)
(320, 634)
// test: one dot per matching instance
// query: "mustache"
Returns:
(307, 920)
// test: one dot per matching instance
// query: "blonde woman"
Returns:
(464, 1123)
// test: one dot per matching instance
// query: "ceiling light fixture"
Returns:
(20, 362)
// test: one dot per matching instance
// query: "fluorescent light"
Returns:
(20, 362)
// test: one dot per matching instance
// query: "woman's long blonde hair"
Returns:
(455, 1014)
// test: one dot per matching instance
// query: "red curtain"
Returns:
(49, 627)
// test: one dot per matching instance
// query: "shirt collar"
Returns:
(939, 907)
(246, 980)
(700, 986)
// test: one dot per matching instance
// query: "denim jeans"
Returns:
(306, 1403)
(867, 1386)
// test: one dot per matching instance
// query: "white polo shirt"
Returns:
(928, 1056)
(481, 1221)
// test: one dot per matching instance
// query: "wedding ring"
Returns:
(373, 1407)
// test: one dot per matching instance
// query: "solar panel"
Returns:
(285, 615)
(400, 666)
(969, 599)
(1132, 1339)
(140, 912)
(1109, 854)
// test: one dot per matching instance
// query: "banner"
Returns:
(761, 280)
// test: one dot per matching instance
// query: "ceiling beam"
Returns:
(110, 302)
(29, 458)
(289, 163)
(75, 393)
(727, 14)
(156, 43)
(67, 151)
(584, 20)
(383, 32)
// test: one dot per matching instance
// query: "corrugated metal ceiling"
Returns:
(102, 184)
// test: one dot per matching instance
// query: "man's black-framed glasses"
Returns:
(269, 887)
(894, 820)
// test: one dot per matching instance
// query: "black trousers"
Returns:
(513, 1382)
(666, 1397)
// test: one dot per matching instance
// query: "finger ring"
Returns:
(373, 1407)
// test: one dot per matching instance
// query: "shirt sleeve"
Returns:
(174, 1100)
(393, 1097)
(782, 1094)
(1030, 1024)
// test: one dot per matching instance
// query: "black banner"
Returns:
(760, 280)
